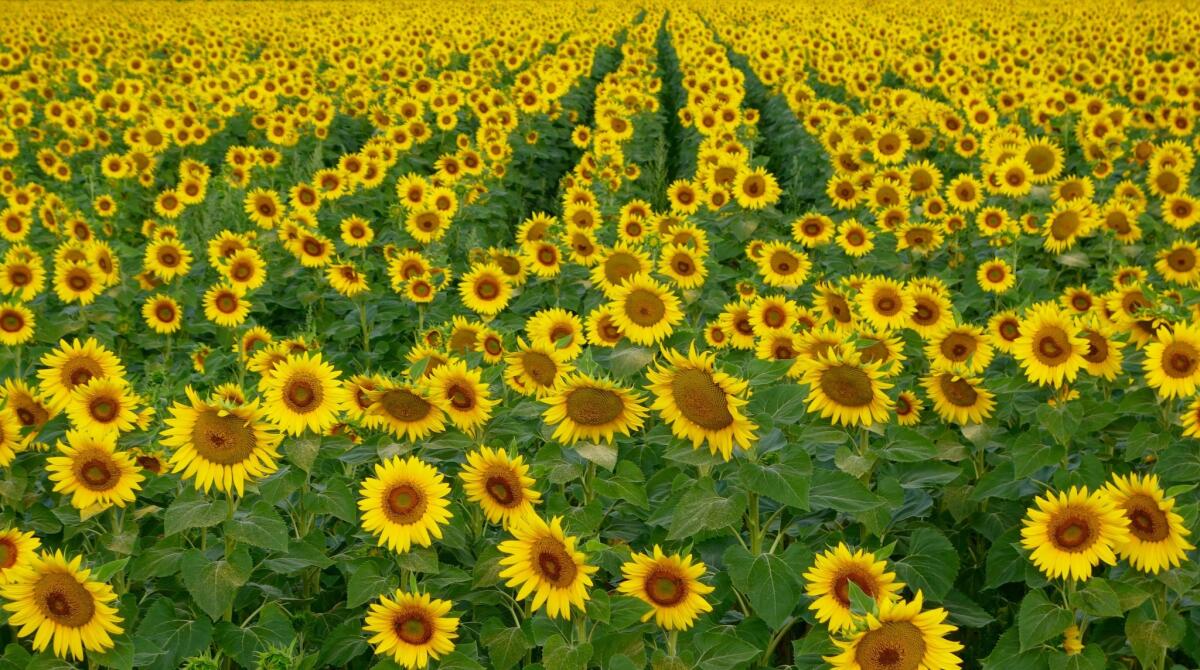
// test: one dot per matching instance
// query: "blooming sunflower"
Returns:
(103, 405)
(225, 305)
(75, 364)
(405, 503)
(829, 579)
(1050, 349)
(957, 397)
(1156, 532)
(404, 411)
(586, 408)
(162, 313)
(460, 392)
(962, 345)
(900, 636)
(500, 483)
(996, 276)
(26, 404)
(16, 324)
(542, 561)
(412, 628)
(781, 265)
(645, 310)
(556, 328)
(220, 444)
(1103, 357)
(52, 599)
(701, 404)
(844, 389)
(1172, 363)
(93, 471)
(670, 585)
(17, 550)
(908, 408)
(303, 393)
(485, 289)
(1071, 532)
(885, 304)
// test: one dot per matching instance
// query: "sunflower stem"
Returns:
(672, 642)
(366, 331)
(755, 534)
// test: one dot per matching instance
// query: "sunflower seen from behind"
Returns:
(406, 503)
(586, 408)
(901, 636)
(828, 583)
(500, 484)
(412, 628)
(1157, 535)
(670, 585)
(542, 562)
(94, 472)
(302, 393)
(1070, 532)
(220, 444)
(52, 599)
(702, 404)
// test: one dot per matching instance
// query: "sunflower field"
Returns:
(569, 334)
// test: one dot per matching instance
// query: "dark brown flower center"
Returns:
(413, 626)
(589, 406)
(896, 645)
(224, 440)
(1147, 521)
(64, 600)
(553, 563)
(958, 391)
(700, 400)
(644, 307)
(848, 386)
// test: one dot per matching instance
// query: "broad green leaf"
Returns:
(1099, 599)
(1007, 655)
(369, 578)
(343, 644)
(192, 510)
(906, 445)
(602, 454)
(506, 647)
(861, 604)
(1148, 635)
(930, 563)
(774, 590)
(214, 583)
(558, 654)
(839, 491)
(626, 485)
(260, 526)
(1091, 658)
(1040, 620)
(720, 649)
(702, 508)
(786, 483)
(167, 634)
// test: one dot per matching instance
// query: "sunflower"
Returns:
(500, 483)
(460, 393)
(52, 599)
(26, 404)
(755, 188)
(220, 444)
(102, 405)
(670, 585)
(645, 310)
(701, 404)
(586, 408)
(735, 320)
(162, 313)
(412, 628)
(931, 310)
(844, 389)
(828, 583)
(996, 276)
(93, 472)
(781, 265)
(246, 269)
(225, 305)
(404, 411)
(346, 279)
(683, 265)
(1071, 532)
(957, 397)
(485, 289)
(558, 329)
(1172, 363)
(405, 503)
(1156, 531)
(167, 259)
(908, 408)
(1179, 264)
(77, 282)
(542, 561)
(855, 239)
(834, 305)
(535, 369)
(602, 330)
(1050, 349)
(16, 324)
(773, 313)
(303, 393)
(17, 550)
(885, 304)
(900, 636)
(1103, 357)
(616, 265)
(961, 345)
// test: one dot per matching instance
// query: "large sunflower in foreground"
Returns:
(586, 408)
(405, 503)
(219, 444)
(844, 389)
(1072, 532)
(542, 561)
(412, 628)
(645, 310)
(500, 484)
(93, 471)
(1156, 531)
(1172, 363)
(17, 550)
(829, 579)
(303, 393)
(1050, 349)
(74, 364)
(701, 404)
(53, 600)
(670, 585)
(900, 637)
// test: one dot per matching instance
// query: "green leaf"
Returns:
(1007, 655)
(603, 454)
(558, 654)
(1148, 636)
(191, 510)
(908, 446)
(701, 508)
(15, 658)
(1004, 561)
(832, 489)
(369, 579)
(786, 483)
(343, 644)
(48, 661)
(214, 583)
(456, 660)
(506, 647)
(167, 634)
(720, 649)
(1099, 599)
(119, 656)
(625, 361)
(105, 572)
(626, 485)
(861, 604)
(260, 526)
(1031, 452)
(1040, 620)
(1091, 658)
(244, 643)
(161, 560)
(930, 563)
(774, 589)
(302, 451)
